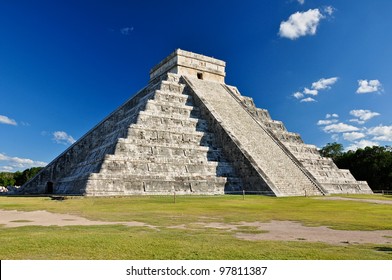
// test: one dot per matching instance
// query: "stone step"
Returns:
(173, 97)
(334, 174)
(318, 162)
(168, 166)
(174, 110)
(172, 77)
(168, 157)
(306, 156)
(137, 133)
(302, 148)
(358, 187)
(143, 152)
(144, 166)
(133, 185)
(148, 119)
(128, 145)
(171, 86)
(196, 157)
(290, 137)
(275, 126)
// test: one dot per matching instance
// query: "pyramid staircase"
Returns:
(330, 178)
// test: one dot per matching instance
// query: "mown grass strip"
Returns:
(121, 242)
(189, 241)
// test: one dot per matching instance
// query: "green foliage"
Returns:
(18, 178)
(371, 164)
(332, 150)
(7, 179)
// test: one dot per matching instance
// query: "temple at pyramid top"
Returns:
(191, 64)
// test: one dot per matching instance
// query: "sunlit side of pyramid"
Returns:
(188, 132)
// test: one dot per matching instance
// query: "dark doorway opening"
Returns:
(49, 188)
(200, 76)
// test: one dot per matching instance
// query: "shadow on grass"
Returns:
(383, 249)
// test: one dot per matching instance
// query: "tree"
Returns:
(18, 178)
(371, 164)
(7, 179)
(332, 150)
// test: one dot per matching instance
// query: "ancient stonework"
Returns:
(188, 132)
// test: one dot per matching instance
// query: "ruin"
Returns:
(188, 132)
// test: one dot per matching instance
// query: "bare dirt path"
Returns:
(15, 218)
(295, 231)
(377, 201)
(273, 230)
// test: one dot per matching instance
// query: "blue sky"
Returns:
(321, 67)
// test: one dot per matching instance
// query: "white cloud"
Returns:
(329, 10)
(363, 115)
(309, 99)
(6, 169)
(310, 91)
(381, 133)
(7, 120)
(324, 83)
(352, 136)
(361, 144)
(301, 2)
(61, 137)
(357, 121)
(16, 163)
(339, 127)
(321, 84)
(326, 122)
(335, 137)
(3, 157)
(298, 95)
(126, 30)
(301, 24)
(331, 116)
(366, 86)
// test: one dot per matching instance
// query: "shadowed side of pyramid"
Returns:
(190, 133)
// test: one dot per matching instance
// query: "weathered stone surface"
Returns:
(330, 178)
(188, 132)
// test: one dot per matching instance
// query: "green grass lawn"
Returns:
(190, 241)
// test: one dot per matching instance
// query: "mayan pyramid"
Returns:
(188, 132)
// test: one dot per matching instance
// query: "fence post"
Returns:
(243, 194)
(174, 197)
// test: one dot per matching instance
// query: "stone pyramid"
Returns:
(188, 132)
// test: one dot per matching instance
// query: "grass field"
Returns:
(189, 240)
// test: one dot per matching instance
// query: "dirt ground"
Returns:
(273, 230)
(376, 201)
(43, 218)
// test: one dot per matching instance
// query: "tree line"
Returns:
(18, 178)
(371, 164)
